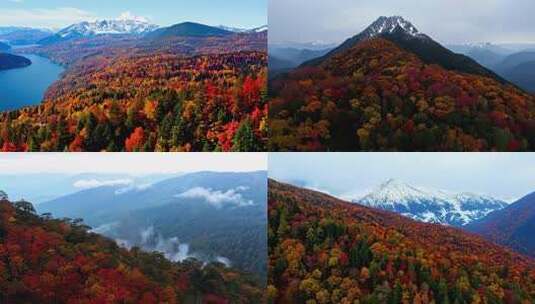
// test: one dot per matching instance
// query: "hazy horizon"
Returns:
(57, 14)
(130, 163)
(495, 21)
(41, 177)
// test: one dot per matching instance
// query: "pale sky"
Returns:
(130, 163)
(61, 13)
(447, 21)
(507, 176)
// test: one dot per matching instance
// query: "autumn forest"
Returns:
(176, 93)
(324, 250)
(40, 256)
(377, 96)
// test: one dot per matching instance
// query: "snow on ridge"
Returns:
(122, 25)
(430, 205)
(390, 25)
(244, 30)
(396, 192)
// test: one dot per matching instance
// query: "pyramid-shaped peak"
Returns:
(389, 25)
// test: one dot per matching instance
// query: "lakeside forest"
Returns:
(182, 88)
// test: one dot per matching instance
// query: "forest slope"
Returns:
(43, 260)
(123, 94)
(512, 226)
(323, 250)
(378, 96)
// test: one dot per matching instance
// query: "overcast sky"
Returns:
(130, 163)
(447, 21)
(61, 13)
(507, 176)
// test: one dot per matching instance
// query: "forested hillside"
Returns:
(512, 227)
(377, 95)
(323, 250)
(45, 260)
(215, 214)
(126, 94)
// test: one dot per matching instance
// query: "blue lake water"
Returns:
(26, 86)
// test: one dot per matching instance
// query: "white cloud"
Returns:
(132, 187)
(150, 240)
(94, 183)
(217, 198)
(48, 18)
(129, 16)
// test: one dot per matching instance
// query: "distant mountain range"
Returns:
(115, 27)
(190, 29)
(44, 187)
(23, 36)
(513, 62)
(101, 27)
(283, 58)
(429, 205)
(512, 226)
(207, 215)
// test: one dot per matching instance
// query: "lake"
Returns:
(26, 86)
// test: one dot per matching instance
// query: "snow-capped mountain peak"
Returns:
(393, 192)
(430, 205)
(389, 25)
(125, 24)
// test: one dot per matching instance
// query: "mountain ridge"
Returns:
(87, 29)
(430, 205)
(188, 29)
(378, 96)
(511, 227)
(407, 36)
(215, 213)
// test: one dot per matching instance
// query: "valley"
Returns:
(207, 215)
